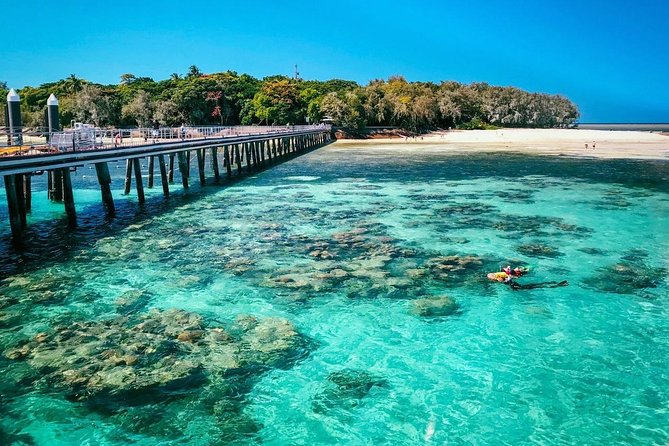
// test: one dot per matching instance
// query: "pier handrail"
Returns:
(88, 138)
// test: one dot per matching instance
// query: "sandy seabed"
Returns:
(564, 142)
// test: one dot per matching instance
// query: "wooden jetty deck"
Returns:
(229, 155)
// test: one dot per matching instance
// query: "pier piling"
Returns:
(183, 169)
(171, 172)
(138, 180)
(200, 165)
(27, 191)
(163, 175)
(104, 179)
(68, 197)
(214, 163)
(13, 207)
(150, 180)
(20, 200)
(228, 161)
(239, 163)
(128, 177)
(57, 184)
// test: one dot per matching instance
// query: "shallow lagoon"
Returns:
(334, 255)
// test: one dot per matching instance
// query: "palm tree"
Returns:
(73, 84)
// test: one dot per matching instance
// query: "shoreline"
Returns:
(546, 142)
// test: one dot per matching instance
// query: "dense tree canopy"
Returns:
(229, 98)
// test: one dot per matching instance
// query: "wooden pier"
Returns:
(229, 156)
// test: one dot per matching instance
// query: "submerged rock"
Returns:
(626, 278)
(161, 352)
(455, 269)
(16, 439)
(593, 251)
(538, 250)
(346, 389)
(434, 306)
(9, 318)
(133, 300)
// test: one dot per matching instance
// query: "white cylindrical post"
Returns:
(53, 121)
(14, 115)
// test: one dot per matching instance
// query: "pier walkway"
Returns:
(232, 151)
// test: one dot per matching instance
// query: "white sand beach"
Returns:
(564, 142)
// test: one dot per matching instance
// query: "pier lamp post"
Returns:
(14, 117)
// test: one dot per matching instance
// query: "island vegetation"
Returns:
(229, 98)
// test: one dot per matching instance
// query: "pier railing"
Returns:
(85, 138)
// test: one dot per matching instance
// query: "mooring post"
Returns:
(183, 169)
(68, 197)
(138, 180)
(13, 207)
(163, 175)
(150, 181)
(27, 191)
(214, 163)
(171, 171)
(104, 179)
(200, 165)
(128, 176)
(14, 118)
(52, 116)
(228, 161)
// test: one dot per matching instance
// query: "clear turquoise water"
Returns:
(582, 364)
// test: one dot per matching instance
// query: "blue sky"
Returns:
(610, 57)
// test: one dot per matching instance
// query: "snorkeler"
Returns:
(506, 275)
(530, 286)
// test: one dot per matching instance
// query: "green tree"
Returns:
(140, 109)
(93, 104)
(277, 103)
(345, 109)
(193, 71)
